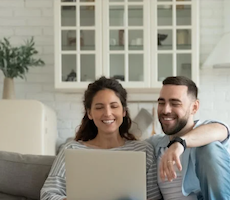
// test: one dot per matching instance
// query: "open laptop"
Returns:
(105, 175)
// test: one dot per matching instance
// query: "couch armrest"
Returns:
(23, 175)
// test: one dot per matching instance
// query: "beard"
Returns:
(176, 128)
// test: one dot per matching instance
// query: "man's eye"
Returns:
(175, 104)
(161, 103)
(98, 108)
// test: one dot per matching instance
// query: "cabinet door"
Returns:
(78, 48)
(126, 52)
(174, 24)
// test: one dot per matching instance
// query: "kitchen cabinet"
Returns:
(139, 42)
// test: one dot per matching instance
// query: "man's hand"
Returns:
(171, 157)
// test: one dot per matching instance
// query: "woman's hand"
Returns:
(169, 159)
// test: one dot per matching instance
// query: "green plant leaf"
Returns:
(15, 61)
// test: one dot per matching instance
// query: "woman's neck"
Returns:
(105, 142)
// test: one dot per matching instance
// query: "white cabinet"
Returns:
(139, 42)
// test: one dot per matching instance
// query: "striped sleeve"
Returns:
(153, 192)
(54, 187)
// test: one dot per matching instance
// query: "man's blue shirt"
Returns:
(190, 182)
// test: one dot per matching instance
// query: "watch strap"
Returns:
(178, 139)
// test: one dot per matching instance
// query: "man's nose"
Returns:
(167, 109)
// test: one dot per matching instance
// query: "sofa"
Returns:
(22, 176)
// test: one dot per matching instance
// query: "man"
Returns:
(199, 173)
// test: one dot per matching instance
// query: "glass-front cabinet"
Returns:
(126, 52)
(78, 38)
(139, 42)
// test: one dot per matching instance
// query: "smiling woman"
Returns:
(105, 125)
(107, 113)
(105, 100)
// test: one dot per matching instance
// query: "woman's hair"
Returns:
(88, 130)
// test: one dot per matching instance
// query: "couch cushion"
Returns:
(23, 175)
(11, 197)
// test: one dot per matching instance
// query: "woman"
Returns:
(105, 125)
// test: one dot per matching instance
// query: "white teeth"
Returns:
(108, 121)
(168, 119)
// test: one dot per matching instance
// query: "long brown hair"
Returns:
(88, 130)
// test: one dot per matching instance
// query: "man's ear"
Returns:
(195, 106)
(89, 115)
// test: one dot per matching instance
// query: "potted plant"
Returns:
(15, 62)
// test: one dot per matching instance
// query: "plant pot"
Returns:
(8, 88)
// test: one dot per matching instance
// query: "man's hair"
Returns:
(182, 80)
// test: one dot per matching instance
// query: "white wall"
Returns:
(214, 83)
(20, 19)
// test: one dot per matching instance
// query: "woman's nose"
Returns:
(107, 112)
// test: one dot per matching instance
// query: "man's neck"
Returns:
(184, 131)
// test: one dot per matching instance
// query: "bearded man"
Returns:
(197, 164)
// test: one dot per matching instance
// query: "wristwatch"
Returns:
(178, 139)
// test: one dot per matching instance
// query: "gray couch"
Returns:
(22, 176)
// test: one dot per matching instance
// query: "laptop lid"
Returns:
(105, 175)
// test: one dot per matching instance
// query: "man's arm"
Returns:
(206, 134)
(200, 136)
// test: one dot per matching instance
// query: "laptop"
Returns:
(105, 175)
